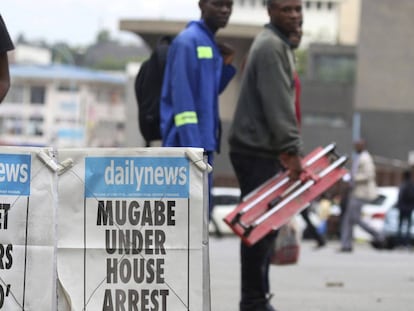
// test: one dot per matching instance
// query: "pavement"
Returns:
(323, 280)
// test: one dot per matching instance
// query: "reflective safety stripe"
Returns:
(187, 117)
(204, 52)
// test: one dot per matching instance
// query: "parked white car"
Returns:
(225, 199)
(374, 213)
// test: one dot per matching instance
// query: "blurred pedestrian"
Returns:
(363, 190)
(405, 206)
(345, 191)
(6, 45)
(311, 229)
(264, 136)
(198, 69)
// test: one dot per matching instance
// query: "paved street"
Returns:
(323, 280)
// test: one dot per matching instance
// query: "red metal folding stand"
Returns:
(274, 203)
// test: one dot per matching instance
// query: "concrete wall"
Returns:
(389, 133)
(385, 55)
(331, 101)
(385, 75)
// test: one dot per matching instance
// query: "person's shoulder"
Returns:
(267, 38)
(187, 35)
(366, 154)
(272, 35)
(191, 36)
(366, 157)
(266, 45)
(192, 29)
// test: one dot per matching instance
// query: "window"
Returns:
(68, 106)
(318, 5)
(115, 96)
(13, 125)
(225, 200)
(37, 95)
(330, 5)
(15, 94)
(107, 95)
(379, 200)
(103, 96)
(68, 88)
(338, 68)
(35, 126)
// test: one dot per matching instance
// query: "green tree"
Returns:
(103, 36)
(301, 61)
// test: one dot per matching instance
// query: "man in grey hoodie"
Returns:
(264, 136)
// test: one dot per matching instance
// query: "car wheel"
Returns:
(390, 243)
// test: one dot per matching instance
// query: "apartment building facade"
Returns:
(63, 106)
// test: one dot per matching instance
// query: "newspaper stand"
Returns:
(272, 205)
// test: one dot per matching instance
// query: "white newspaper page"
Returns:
(131, 231)
(27, 231)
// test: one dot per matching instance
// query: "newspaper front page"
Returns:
(27, 230)
(130, 231)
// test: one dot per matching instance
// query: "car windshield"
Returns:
(378, 200)
(225, 200)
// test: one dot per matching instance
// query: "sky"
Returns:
(77, 22)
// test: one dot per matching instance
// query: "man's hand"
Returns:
(227, 52)
(293, 164)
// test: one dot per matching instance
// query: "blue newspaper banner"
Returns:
(15, 174)
(145, 177)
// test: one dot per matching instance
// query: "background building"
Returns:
(63, 106)
(385, 74)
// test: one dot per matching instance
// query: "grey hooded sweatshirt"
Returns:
(265, 123)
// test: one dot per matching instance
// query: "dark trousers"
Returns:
(311, 227)
(405, 216)
(353, 217)
(251, 172)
